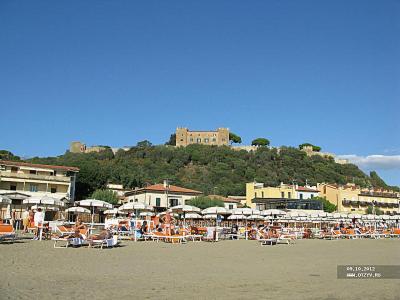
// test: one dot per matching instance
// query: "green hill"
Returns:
(210, 169)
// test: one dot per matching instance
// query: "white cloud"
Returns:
(374, 162)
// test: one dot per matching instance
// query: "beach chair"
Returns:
(285, 239)
(350, 234)
(63, 230)
(7, 233)
(395, 233)
(210, 237)
(268, 242)
(108, 243)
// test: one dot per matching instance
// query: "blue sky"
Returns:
(117, 72)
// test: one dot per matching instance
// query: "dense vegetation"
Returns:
(205, 202)
(105, 195)
(210, 169)
(328, 207)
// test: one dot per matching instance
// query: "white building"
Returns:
(161, 195)
(306, 192)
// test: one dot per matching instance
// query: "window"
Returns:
(198, 140)
(206, 140)
(13, 187)
(262, 194)
(32, 172)
(282, 194)
(173, 202)
(214, 139)
(14, 169)
(191, 139)
(53, 190)
(158, 202)
(230, 206)
(181, 140)
(289, 195)
(33, 188)
(301, 196)
(255, 194)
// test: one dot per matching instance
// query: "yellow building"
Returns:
(219, 137)
(260, 196)
(351, 198)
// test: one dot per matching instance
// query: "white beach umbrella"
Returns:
(295, 214)
(132, 206)
(94, 204)
(216, 210)
(242, 211)
(112, 211)
(193, 216)
(236, 217)
(146, 214)
(184, 209)
(212, 217)
(4, 200)
(337, 215)
(77, 209)
(356, 216)
(48, 208)
(255, 217)
(273, 212)
(44, 201)
(267, 218)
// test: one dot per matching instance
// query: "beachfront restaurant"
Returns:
(287, 204)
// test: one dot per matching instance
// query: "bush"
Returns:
(205, 202)
(106, 195)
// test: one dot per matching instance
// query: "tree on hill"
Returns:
(328, 207)
(172, 140)
(204, 202)
(144, 144)
(314, 148)
(105, 195)
(234, 138)
(7, 155)
(260, 142)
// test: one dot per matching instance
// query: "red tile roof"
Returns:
(172, 189)
(306, 189)
(224, 199)
(24, 164)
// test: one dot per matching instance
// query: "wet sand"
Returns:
(223, 270)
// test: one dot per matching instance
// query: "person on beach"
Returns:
(25, 220)
(103, 235)
(79, 224)
(38, 221)
(167, 220)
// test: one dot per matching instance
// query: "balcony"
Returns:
(21, 176)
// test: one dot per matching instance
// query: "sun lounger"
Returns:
(63, 230)
(108, 243)
(7, 232)
(395, 233)
(268, 242)
(285, 239)
(67, 242)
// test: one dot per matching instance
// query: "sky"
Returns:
(118, 72)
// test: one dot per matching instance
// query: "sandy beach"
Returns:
(223, 270)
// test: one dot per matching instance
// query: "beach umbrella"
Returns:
(49, 208)
(44, 201)
(236, 217)
(112, 211)
(133, 206)
(183, 209)
(4, 201)
(212, 217)
(295, 214)
(354, 216)
(273, 212)
(216, 210)
(94, 204)
(193, 216)
(175, 215)
(146, 214)
(255, 217)
(243, 211)
(77, 209)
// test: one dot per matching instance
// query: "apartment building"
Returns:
(19, 180)
(352, 198)
(284, 196)
(161, 196)
(185, 137)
